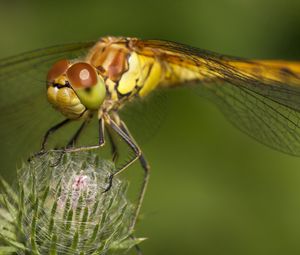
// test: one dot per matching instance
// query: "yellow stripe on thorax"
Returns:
(144, 74)
(129, 79)
(152, 74)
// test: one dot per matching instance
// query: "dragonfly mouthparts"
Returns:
(59, 86)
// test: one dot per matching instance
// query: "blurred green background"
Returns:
(213, 190)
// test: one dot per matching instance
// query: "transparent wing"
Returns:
(144, 116)
(25, 114)
(263, 119)
(262, 98)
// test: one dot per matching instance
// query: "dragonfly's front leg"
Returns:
(76, 136)
(47, 135)
(50, 131)
(101, 141)
(71, 143)
(70, 148)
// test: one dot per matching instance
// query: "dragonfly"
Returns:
(98, 79)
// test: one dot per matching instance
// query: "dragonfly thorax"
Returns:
(126, 73)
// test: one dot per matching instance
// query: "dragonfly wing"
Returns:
(262, 98)
(264, 119)
(144, 116)
(25, 113)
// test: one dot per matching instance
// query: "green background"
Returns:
(213, 190)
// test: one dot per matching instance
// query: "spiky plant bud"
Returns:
(62, 209)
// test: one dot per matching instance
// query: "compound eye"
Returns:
(82, 75)
(59, 68)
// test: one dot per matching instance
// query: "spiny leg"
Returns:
(114, 149)
(142, 159)
(146, 168)
(131, 144)
(125, 135)
(51, 131)
(115, 154)
(72, 142)
(101, 141)
(46, 137)
(76, 136)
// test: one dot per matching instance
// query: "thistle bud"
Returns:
(62, 209)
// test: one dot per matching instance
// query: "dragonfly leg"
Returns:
(47, 135)
(122, 130)
(101, 141)
(146, 168)
(51, 131)
(114, 149)
(75, 137)
(71, 143)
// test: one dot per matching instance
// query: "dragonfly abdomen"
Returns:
(284, 72)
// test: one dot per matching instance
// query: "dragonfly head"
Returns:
(73, 88)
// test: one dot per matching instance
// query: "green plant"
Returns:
(62, 209)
